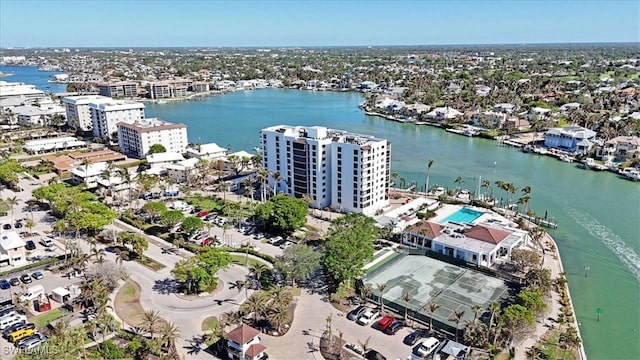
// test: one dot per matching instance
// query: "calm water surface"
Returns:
(598, 213)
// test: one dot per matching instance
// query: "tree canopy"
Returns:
(199, 272)
(298, 262)
(191, 224)
(9, 170)
(282, 213)
(348, 245)
(171, 217)
(137, 242)
(157, 148)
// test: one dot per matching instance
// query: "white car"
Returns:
(427, 347)
(368, 317)
(286, 245)
(275, 240)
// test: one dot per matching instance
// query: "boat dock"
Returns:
(539, 221)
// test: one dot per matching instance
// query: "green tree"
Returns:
(532, 299)
(348, 245)
(199, 272)
(525, 258)
(191, 224)
(518, 321)
(150, 320)
(171, 218)
(282, 213)
(157, 148)
(154, 209)
(298, 262)
(258, 269)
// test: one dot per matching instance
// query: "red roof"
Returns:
(255, 350)
(242, 334)
(486, 234)
(427, 229)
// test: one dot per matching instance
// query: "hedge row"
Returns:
(41, 263)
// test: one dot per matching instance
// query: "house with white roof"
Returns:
(481, 245)
(182, 170)
(443, 113)
(88, 174)
(504, 107)
(164, 158)
(41, 146)
(12, 249)
(209, 151)
(574, 139)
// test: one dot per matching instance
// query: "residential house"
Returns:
(620, 149)
(88, 174)
(504, 108)
(164, 158)
(182, 171)
(443, 113)
(209, 151)
(489, 119)
(12, 249)
(481, 245)
(243, 343)
(574, 139)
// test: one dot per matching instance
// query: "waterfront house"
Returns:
(243, 343)
(620, 149)
(574, 139)
(211, 151)
(12, 249)
(489, 119)
(443, 113)
(481, 245)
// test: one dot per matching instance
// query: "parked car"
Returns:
(285, 245)
(394, 327)
(258, 236)
(202, 214)
(26, 278)
(427, 347)
(14, 281)
(412, 338)
(374, 355)
(368, 317)
(16, 327)
(18, 224)
(6, 226)
(46, 241)
(30, 245)
(356, 313)
(37, 275)
(275, 240)
(384, 323)
(4, 284)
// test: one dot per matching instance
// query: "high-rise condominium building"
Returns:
(77, 109)
(135, 139)
(105, 115)
(346, 171)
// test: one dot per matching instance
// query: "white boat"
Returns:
(565, 158)
(631, 173)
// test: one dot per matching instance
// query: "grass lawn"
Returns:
(204, 203)
(150, 263)
(127, 303)
(44, 319)
(209, 323)
(241, 260)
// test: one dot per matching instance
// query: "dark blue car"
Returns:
(416, 335)
(4, 284)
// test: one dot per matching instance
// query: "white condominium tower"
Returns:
(78, 112)
(346, 171)
(136, 139)
(106, 115)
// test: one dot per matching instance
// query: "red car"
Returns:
(384, 323)
(202, 214)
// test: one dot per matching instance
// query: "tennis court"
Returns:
(428, 280)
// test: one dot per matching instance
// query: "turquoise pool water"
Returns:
(463, 215)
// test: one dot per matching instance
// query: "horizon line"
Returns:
(318, 46)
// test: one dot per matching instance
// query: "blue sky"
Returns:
(135, 23)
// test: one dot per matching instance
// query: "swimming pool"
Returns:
(464, 215)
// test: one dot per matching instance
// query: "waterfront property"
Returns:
(209, 151)
(105, 115)
(118, 89)
(136, 138)
(19, 90)
(78, 112)
(464, 215)
(346, 171)
(574, 139)
(428, 280)
(620, 149)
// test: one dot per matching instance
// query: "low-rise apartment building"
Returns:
(136, 138)
(118, 89)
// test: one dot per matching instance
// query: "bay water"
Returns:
(598, 213)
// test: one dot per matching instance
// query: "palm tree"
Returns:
(459, 181)
(258, 269)
(524, 200)
(381, 288)
(169, 333)
(280, 296)
(126, 177)
(456, 317)
(431, 308)
(429, 164)
(494, 308)
(279, 315)
(485, 185)
(150, 319)
(12, 202)
(501, 185)
(477, 310)
(406, 297)
(256, 303)
(394, 178)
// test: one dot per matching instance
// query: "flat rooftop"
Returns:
(430, 280)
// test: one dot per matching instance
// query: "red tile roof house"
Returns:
(243, 343)
(480, 245)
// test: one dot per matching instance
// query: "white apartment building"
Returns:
(19, 90)
(105, 115)
(346, 171)
(78, 112)
(136, 138)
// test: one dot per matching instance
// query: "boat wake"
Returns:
(611, 240)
